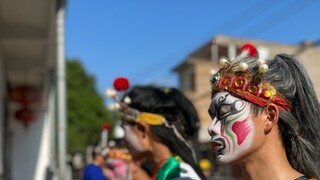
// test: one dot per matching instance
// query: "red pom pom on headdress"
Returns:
(106, 127)
(252, 50)
(121, 84)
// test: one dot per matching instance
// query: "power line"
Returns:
(274, 19)
(247, 15)
(242, 18)
(281, 15)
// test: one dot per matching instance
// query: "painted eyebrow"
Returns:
(216, 102)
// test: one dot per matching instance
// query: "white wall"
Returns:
(31, 148)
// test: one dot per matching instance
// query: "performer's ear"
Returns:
(272, 117)
(143, 128)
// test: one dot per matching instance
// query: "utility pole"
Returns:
(61, 90)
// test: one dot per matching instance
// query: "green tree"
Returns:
(86, 112)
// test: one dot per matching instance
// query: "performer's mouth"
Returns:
(218, 144)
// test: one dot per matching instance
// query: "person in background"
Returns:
(94, 171)
(265, 117)
(205, 166)
(118, 164)
(159, 124)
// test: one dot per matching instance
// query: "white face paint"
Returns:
(132, 138)
(231, 129)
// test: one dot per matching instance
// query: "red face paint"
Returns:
(232, 127)
(241, 129)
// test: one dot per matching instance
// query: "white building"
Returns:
(32, 56)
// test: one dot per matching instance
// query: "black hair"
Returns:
(299, 129)
(178, 111)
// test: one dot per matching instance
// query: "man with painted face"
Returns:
(265, 117)
(159, 124)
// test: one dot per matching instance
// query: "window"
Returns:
(238, 50)
(223, 51)
(187, 79)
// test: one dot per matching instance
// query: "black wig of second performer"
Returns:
(181, 117)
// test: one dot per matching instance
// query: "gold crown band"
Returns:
(246, 86)
(234, 78)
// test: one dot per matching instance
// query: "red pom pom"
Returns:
(252, 50)
(106, 127)
(121, 84)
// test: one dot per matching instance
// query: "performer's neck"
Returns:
(268, 162)
(160, 152)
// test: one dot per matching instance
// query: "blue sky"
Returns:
(143, 39)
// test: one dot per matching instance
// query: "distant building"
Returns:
(194, 74)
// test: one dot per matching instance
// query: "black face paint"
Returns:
(222, 110)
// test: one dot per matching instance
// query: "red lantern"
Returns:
(25, 95)
(25, 115)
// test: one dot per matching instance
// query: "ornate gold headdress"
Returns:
(130, 114)
(235, 78)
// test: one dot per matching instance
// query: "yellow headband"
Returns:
(133, 115)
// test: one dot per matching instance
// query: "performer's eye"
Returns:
(224, 110)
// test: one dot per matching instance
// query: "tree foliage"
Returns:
(86, 112)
